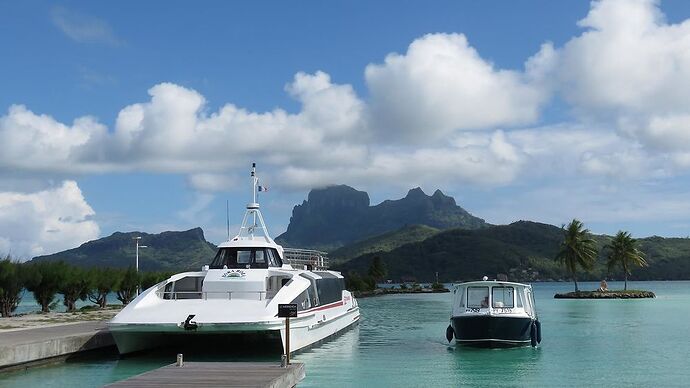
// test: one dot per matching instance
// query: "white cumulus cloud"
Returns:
(442, 84)
(438, 112)
(631, 68)
(40, 143)
(46, 221)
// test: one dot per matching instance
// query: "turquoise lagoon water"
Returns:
(400, 342)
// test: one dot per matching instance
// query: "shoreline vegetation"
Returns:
(46, 280)
(578, 249)
(612, 294)
(364, 286)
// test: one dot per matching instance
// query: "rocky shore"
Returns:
(395, 291)
(628, 294)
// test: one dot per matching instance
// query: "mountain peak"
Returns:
(337, 215)
(338, 193)
(440, 199)
(417, 192)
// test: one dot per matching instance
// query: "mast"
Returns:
(253, 214)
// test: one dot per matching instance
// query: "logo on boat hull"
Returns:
(234, 274)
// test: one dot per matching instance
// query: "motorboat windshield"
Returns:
(245, 257)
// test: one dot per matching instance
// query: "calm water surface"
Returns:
(401, 342)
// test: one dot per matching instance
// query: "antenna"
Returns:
(255, 180)
(227, 216)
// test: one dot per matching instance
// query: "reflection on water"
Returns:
(479, 367)
(400, 341)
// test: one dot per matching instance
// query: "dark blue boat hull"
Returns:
(492, 331)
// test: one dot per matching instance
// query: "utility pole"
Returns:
(136, 264)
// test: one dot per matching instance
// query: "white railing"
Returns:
(299, 258)
(173, 295)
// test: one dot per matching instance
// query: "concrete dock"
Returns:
(218, 374)
(20, 347)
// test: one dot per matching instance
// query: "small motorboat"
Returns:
(492, 313)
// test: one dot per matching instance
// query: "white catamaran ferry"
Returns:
(238, 294)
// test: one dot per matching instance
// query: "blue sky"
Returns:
(130, 116)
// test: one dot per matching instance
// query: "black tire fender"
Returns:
(450, 333)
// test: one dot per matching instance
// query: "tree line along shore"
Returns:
(577, 251)
(47, 280)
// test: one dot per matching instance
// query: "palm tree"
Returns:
(623, 250)
(577, 248)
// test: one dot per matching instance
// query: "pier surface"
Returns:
(28, 346)
(218, 374)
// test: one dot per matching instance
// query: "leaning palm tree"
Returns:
(623, 251)
(577, 249)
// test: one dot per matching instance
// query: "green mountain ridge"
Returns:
(524, 250)
(165, 251)
(383, 243)
(399, 232)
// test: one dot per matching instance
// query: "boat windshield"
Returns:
(502, 296)
(477, 297)
(246, 258)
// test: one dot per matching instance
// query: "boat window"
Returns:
(188, 287)
(302, 301)
(313, 296)
(477, 297)
(273, 258)
(529, 301)
(220, 259)
(246, 258)
(259, 257)
(167, 293)
(503, 296)
(518, 297)
(462, 296)
(330, 290)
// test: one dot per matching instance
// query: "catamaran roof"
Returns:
(250, 243)
(491, 283)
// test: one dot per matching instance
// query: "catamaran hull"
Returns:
(492, 331)
(304, 336)
(304, 332)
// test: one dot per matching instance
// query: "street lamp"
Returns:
(137, 239)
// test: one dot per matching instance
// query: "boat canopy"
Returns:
(494, 297)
